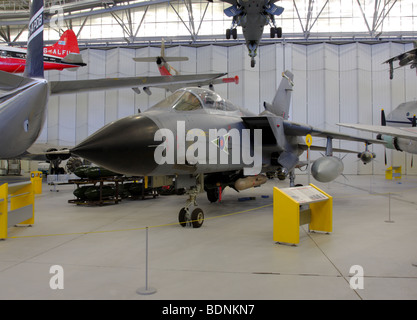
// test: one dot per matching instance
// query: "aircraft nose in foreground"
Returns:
(127, 143)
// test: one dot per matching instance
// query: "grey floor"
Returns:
(232, 256)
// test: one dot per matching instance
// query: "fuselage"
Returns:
(402, 116)
(253, 21)
(192, 131)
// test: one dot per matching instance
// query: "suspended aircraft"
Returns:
(165, 69)
(64, 54)
(404, 59)
(252, 16)
(24, 100)
(208, 143)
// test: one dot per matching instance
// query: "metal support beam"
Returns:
(309, 19)
(379, 15)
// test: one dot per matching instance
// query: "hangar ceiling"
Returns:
(111, 23)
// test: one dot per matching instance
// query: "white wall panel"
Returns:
(204, 59)
(397, 97)
(381, 95)
(410, 76)
(67, 113)
(96, 99)
(186, 67)
(82, 102)
(251, 83)
(235, 61)
(126, 96)
(268, 82)
(315, 85)
(364, 62)
(111, 96)
(299, 95)
(349, 100)
(53, 112)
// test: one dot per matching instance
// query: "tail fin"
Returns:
(34, 58)
(281, 104)
(66, 44)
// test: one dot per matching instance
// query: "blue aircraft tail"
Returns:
(34, 59)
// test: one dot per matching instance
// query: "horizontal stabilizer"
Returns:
(170, 59)
(275, 10)
(75, 58)
(232, 11)
(145, 59)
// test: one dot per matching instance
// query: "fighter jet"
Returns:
(165, 69)
(24, 100)
(252, 16)
(206, 142)
(406, 58)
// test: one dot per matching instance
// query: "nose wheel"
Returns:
(194, 218)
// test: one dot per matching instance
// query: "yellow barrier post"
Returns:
(298, 206)
(3, 211)
(36, 178)
(22, 206)
(24, 197)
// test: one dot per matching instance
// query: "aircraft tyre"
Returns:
(182, 217)
(213, 194)
(276, 32)
(252, 63)
(234, 34)
(197, 218)
(227, 34)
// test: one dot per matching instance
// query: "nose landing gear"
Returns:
(193, 218)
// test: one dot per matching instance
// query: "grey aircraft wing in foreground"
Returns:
(404, 59)
(253, 16)
(205, 141)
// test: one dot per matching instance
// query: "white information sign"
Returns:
(304, 195)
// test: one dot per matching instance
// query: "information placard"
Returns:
(305, 194)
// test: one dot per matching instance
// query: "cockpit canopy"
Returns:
(188, 99)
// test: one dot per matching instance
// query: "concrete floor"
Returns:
(232, 256)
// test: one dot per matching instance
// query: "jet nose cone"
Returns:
(125, 146)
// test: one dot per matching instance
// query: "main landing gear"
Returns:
(231, 33)
(195, 218)
(274, 31)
